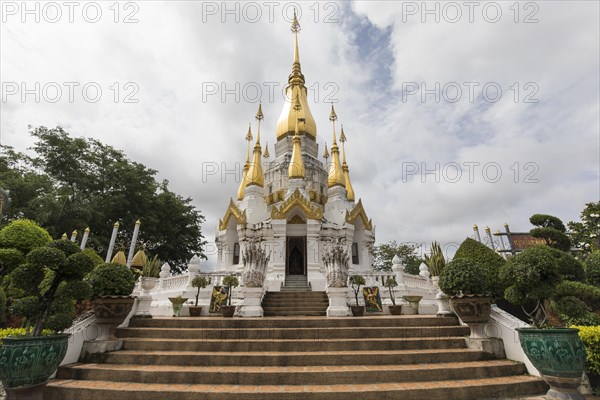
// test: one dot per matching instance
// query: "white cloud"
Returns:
(175, 50)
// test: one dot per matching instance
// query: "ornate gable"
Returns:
(359, 211)
(232, 210)
(296, 199)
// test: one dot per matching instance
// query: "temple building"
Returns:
(298, 203)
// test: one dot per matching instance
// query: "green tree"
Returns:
(72, 183)
(551, 229)
(384, 253)
(586, 234)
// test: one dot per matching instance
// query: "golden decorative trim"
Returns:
(296, 199)
(359, 211)
(234, 211)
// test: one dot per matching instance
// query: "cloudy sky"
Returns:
(456, 113)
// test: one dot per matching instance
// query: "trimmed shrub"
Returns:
(24, 235)
(96, 259)
(9, 260)
(463, 276)
(592, 268)
(573, 311)
(590, 336)
(490, 260)
(551, 229)
(43, 281)
(589, 294)
(111, 279)
(568, 266)
(531, 275)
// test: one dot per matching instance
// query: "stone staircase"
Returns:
(313, 358)
(285, 304)
(296, 283)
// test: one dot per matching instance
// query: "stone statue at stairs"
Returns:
(336, 264)
(255, 260)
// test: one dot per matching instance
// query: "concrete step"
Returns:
(259, 345)
(297, 333)
(304, 358)
(271, 303)
(321, 313)
(309, 375)
(211, 323)
(468, 389)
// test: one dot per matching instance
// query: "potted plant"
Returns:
(468, 285)
(199, 282)
(230, 281)
(150, 273)
(356, 281)
(531, 278)
(391, 283)
(48, 283)
(177, 303)
(436, 262)
(112, 285)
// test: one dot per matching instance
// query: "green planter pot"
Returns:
(559, 355)
(26, 362)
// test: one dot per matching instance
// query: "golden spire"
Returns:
(242, 189)
(296, 76)
(266, 155)
(296, 87)
(325, 153)
(255, 174)
(296, 168)
(336, 174)
(349, 188)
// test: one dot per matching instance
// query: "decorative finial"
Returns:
(138, 222)
(342, 135)
(249, 134)
(64, 236)
(266, 155)
(116, 225)
(333, 115)
(295, 24)
(487, 228)
(259, 114)
(87, 230)
(326, 153)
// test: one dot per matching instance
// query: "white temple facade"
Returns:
(297, 204)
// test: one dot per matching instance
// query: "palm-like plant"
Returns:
(356, 281)
(391, 283)
(435, 261)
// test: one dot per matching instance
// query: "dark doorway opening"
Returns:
(296, 255)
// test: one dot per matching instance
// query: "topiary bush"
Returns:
(24, 235)
(551, 229)
(568, 266)
(231, 281)
(589, 294)
(111, 279)
(592, 268)
(356, 281)
(573, 311)
(464, 277)
(490, 260)
(531, 276)
(9, 260)
(50, 280)
(94, 256)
